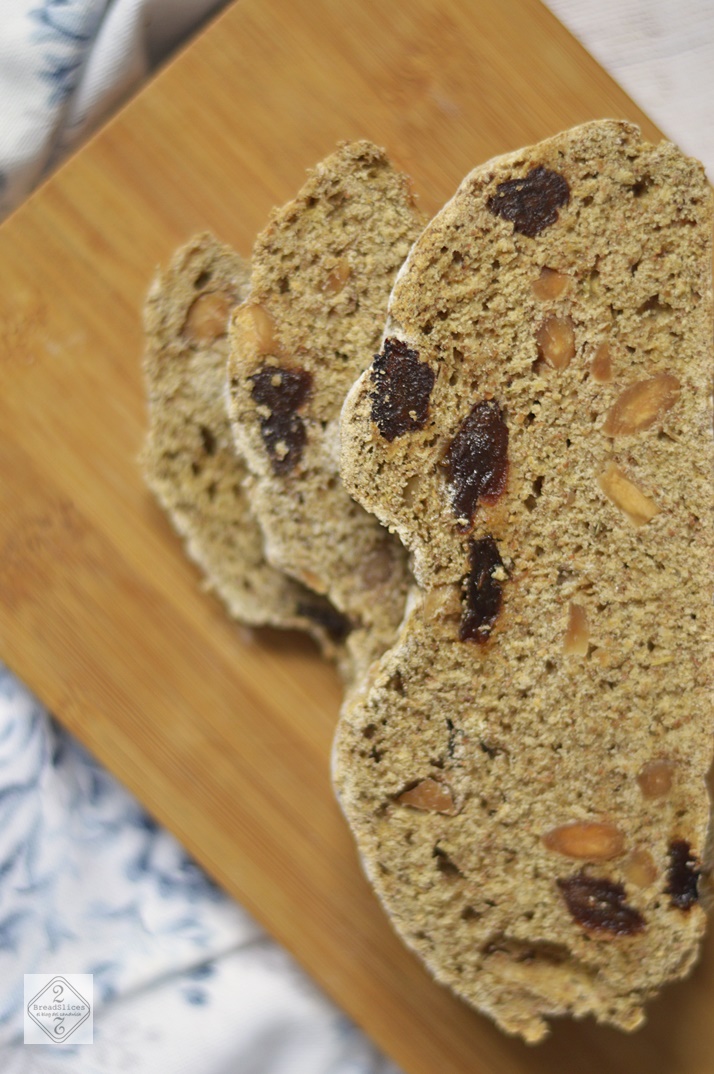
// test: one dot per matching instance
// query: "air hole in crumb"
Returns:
(202, 279)
(538, 550)
(641, 186)
(370, 730)
(396, 683)
(376, 754)
(445, 864)
(654, 304)
(469, 914)
(283, 285)
(549, 666)
(587, 200)
(427, 328)
(532, 500)
(195, 469)
(208, 440)
(457, 257)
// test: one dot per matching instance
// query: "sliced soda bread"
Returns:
(322, 271)
(189, 460)
(524, 771)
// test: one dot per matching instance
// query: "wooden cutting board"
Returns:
(225, 736)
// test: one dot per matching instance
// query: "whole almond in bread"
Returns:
(321, 273)
(524, 771)
(189, 460)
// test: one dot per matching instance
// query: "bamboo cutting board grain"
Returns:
(225, 736)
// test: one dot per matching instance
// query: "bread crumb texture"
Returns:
(189, 460)
(321, 275)
(524, 770)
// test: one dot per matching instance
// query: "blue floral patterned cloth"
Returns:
(183, 978)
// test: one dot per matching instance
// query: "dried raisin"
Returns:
(599, 904)
(482, 592)
(282, 392)
(477, 459)
(682, 875)
(531, 203)
(402, 387)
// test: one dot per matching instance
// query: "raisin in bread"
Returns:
(525, 770)
(322, 271)
(189, 461)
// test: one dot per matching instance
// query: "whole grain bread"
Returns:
(524, 771)
(189, 460)
(322, 271)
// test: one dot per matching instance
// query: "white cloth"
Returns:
(183, 978)
(65, 65)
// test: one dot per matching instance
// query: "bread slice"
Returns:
(525, 770)
(322, 271)
(188, 459)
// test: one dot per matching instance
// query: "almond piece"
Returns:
(207, 318)
(601, 366)
(639, 868)
(655, 778)
(429, 795)
(577, 633)
(626, 495)
(550, 284)
(256, 329)
(556, 341)
(338, 277)
(641, 404)
(591, 840)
